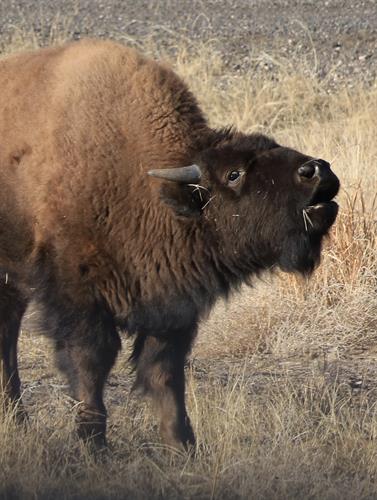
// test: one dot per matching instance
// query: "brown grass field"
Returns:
(282, 385)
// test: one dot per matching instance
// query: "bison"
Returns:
(122, 210)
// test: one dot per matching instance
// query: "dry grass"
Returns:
(281, 385)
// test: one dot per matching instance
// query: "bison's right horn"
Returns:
(184, 175)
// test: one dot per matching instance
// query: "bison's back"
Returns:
(91, 105)
(79, 127)
(57, 90)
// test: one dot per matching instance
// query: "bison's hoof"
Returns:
(180, 437)
(91, 428)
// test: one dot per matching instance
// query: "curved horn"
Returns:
(184, 175)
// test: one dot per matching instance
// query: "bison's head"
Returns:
(264, 204)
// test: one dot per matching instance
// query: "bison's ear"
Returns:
(185, 200)
(182, 193)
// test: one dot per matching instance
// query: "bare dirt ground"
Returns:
(339, 35)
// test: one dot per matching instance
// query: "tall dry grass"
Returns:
(280, 388)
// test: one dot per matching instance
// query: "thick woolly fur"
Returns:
(100, 245)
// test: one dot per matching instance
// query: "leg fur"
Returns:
(160, 373)
(86, 354)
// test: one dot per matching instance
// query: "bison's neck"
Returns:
(163, 259)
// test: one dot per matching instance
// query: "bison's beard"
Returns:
(301, 253)
(301, 249)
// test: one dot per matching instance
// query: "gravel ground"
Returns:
(340, 36)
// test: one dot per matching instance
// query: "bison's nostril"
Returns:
(307, 170)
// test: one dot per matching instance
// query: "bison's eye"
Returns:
(234, 177)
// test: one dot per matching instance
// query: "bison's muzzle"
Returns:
(321, 211)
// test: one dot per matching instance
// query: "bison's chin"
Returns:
(301, 250)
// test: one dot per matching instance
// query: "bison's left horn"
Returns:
(184, 175)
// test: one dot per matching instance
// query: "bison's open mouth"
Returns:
(320, 217)
(321, 211)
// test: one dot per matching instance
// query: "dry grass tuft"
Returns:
(281, 382)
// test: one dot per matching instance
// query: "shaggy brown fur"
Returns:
(100, 245)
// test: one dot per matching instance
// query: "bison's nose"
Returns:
(308, 170)
(317, 174)
(315, 168)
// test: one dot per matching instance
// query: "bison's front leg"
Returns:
(160, 373)
(86, 354)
